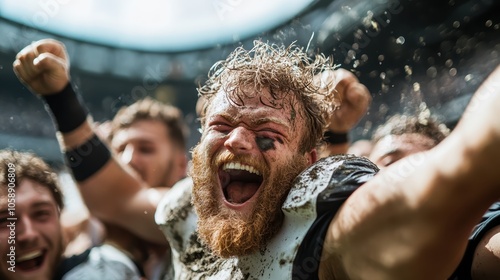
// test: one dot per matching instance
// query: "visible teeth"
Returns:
(29, 256)
(239, 166)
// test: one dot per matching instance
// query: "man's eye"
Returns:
(224, 128)
(147, 150)
(3, 222)
(388, 161)
(272, 135)
(42, 214)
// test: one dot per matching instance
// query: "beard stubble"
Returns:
(227, 232)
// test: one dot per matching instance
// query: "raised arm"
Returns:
(354, 100)
(111, 191)
(413, 220)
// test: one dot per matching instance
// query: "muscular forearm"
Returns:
(114, 195)
(412, 221)
(404, 227)
(110, 191)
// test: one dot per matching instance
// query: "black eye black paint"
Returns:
(264, 143)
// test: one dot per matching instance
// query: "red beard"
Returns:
(226, 232)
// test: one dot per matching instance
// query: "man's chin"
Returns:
(236, 235)
(228, 237)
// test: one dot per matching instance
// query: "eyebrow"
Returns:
(42, 204)
(258, 121)
(391, 152)
(38, 204)
(271, 120)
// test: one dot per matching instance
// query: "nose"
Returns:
(26, 231)
(131, 156)
(240, 140)
(127, 154)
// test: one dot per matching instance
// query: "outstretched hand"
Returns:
(43, 67)
(354, 99)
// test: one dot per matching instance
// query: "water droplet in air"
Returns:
(416, 87)
(408, 70)
(449, 63)
(432, 72)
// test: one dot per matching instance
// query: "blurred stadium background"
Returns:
(415, 56)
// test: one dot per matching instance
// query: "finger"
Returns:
(26, 51)
(51, 46)
(343, 79)
(26, 60)
(49, 62)
(34, 47)
(358, 95)
(24, 68)
(18, 69)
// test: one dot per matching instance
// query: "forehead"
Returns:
(257, 107)
(27, 193)
(407, 143)
(142, 130)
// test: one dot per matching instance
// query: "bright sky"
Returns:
(153, 25)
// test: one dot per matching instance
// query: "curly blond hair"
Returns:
(288, 73)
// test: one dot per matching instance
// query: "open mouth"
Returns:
(239, 182)
(31, 260)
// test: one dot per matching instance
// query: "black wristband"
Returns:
(331, 137)
(66, 109)
(88, 158)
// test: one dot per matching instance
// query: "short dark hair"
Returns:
(26, 165)
(407, 124)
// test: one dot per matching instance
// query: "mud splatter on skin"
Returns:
(265, 143)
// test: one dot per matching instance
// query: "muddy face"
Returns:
(242, 172)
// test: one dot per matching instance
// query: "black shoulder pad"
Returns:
(350, 173)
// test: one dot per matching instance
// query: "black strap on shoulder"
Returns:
(489, 220)
(345, 179)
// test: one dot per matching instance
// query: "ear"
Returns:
(312, 156)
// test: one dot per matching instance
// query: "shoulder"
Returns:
(485, 243)
(177, 198)
(103, 262)
(176, 216)
(329, 179)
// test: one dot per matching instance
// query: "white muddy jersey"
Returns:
(294, 252)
